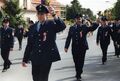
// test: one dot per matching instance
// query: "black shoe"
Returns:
(78, 78)
(4, 70)
(117, 56)
(8, 66)
(20, 49)
(103, 63)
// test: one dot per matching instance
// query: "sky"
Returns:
(94, 5)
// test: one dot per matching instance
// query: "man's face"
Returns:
(41, 16)
(30, 24)
(119, 21)
(5, 24)
(103, 22)
(78, 20)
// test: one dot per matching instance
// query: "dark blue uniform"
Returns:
(41, 48)
(118, 35)
(114, 37)
(7, 42)
(19, 34)
(78, 35)
(42, 43)
(118, 39)
(103, 36)
(0, 38)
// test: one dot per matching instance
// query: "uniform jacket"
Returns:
(78, 36)
(41, 47)
(114, 32)
(118, 34)
(103, 35)
(7, 38)
(19, 32)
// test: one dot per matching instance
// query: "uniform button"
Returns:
(52, 48)
(39, 40)
(39, 51)
(38, 34)
(39, 45)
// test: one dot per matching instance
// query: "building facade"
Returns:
(30, 11)
(1, 3)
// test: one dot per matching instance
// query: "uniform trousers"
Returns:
(41, 72)
(104, 48)
(5, 55)
(20, 41)
(116, 49)
(79, 57)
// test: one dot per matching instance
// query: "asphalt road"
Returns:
(64, 70)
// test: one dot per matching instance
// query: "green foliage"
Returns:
(76, 8)
(117, 9)
(0, 14)
(88, 12)
(113, 13)
(109, 13)
(15, 13)
(72, 10)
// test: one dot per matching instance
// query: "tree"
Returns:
(116, 9)
(11, 9)
(88, 12)
(108, 13)
(72, 10)
(0, 14)
(76, 8)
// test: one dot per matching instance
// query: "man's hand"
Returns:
(51, 10)
(89, 20)
(24, 64)
(66, 50)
